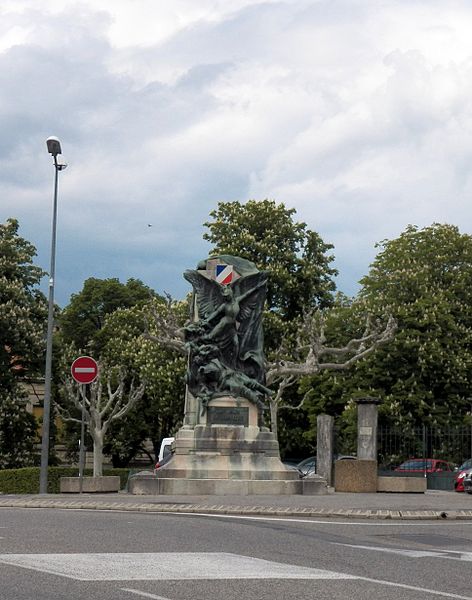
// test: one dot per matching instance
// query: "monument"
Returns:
(223, 446)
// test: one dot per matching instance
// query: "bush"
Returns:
(26, 480)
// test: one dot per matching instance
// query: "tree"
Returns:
(160, 410)
(22, 317)
(84, 317)
(314, 354)
(424, 279)
(300, 275)
(108, 401)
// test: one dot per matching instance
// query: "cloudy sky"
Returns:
(358, 113)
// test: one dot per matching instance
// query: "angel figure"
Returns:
(230, 319)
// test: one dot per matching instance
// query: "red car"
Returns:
(425, 465)
(461, 473)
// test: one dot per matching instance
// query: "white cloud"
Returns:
(355, 113)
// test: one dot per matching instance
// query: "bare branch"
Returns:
(134, 396)
(99, 415)
(169, 333)
(65, 414)
(306, 360)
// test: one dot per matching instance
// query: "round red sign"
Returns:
(84, 369)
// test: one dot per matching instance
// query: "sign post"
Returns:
(84, 371)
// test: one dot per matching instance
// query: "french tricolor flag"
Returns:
(224, 274)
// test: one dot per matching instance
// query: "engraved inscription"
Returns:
(224, 415)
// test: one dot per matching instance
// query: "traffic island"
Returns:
(90, 485)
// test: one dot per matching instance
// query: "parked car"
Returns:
(467, 482)
(308, 465)
(163, 461)
(424, 465)
(460, 474)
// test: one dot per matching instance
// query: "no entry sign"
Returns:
(84, 369)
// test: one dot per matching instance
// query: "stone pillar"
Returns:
(190, 410)
(324, 447)
(367, 415)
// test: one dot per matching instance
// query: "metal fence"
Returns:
(395, 444)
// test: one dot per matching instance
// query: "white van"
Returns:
(166, 448)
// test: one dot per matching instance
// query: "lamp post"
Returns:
(54, 148)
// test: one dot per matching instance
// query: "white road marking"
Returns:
(143, 594)
(164, 566)
(365, 523)
(415, 588)
(436, 553)
(182, 566)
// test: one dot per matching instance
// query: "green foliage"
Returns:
(22, 307)
(123, 346)
(300, 275)
(161, 408)
(84, 317)
(26, 480)
(17, 429)
(22, 317)
(424, 279)
(106, 319)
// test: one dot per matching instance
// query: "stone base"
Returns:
(143, 485)
(90, 485)
(233, 452)
(212, 459)
(315, 485)
(408, 485)
(355, 476)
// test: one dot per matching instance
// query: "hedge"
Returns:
(26, 480)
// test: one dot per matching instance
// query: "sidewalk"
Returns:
(431, 505)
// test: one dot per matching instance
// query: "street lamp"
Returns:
(54, 148)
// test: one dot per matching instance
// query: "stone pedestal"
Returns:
(226, 453)
(408, 485)
(324, 447)
(367, 417)
(355, 476)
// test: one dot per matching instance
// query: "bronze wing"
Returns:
(252, 292)
(208, 293)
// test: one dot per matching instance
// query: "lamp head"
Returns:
(60, 162)
(54, 145)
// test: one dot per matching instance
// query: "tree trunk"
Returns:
(97, 455)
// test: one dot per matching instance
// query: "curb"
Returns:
(271, 511)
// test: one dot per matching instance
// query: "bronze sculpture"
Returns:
(225, 340)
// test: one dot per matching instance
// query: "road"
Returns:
(51, 554)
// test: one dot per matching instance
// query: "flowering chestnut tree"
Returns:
(23, 312)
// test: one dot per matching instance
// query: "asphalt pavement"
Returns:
(398, 506)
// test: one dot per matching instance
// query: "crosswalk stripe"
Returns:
(162, 566)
